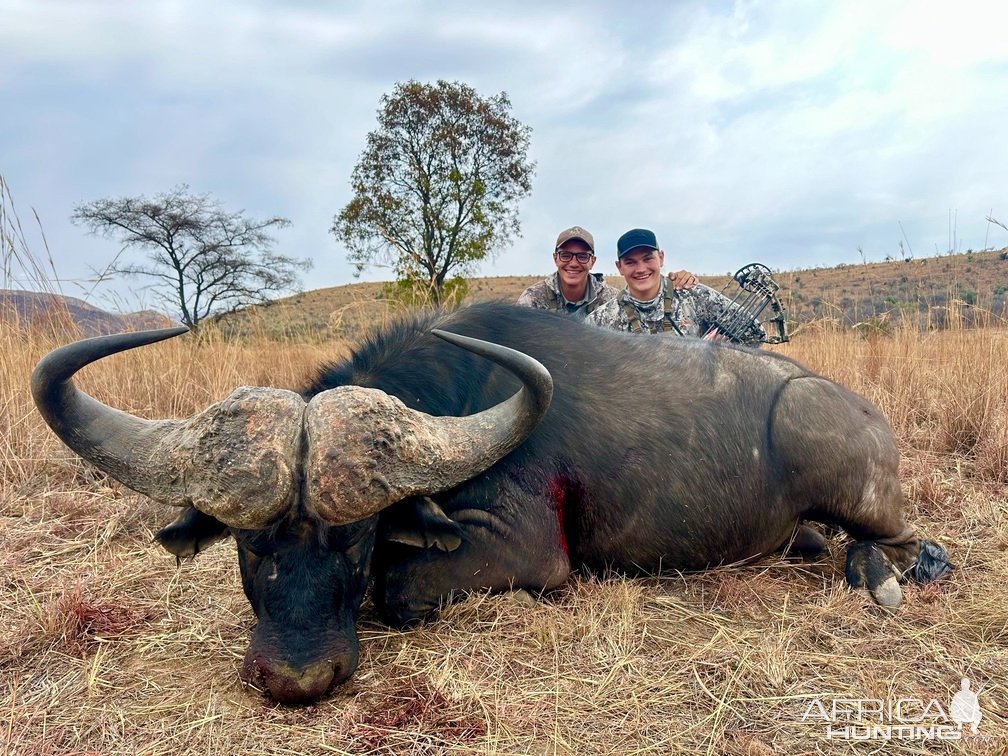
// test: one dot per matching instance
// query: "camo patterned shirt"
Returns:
(546, 295)
(692, 311)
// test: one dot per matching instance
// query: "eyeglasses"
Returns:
(582, 257)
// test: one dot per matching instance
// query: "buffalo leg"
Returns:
(493, 553)
(842, 462)
(886, 550)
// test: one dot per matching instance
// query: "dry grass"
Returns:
(108, 648)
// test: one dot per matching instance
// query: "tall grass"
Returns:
(20, 259)
(107, 649)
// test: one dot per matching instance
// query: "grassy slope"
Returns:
(848, 294)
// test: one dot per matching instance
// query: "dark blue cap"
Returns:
(634, 238)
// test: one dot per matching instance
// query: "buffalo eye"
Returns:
(256, 542)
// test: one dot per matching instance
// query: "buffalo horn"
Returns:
(235, 461)
(367, 450)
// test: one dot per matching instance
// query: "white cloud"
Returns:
(786, 131)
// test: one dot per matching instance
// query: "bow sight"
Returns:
(756, 290)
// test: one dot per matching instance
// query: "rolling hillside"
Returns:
(972, 285)
(969, 287)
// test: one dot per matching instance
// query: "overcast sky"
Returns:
(790, 133)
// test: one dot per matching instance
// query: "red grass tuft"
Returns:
(417, 711)
(83, 621)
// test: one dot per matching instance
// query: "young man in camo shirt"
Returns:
(649, 305)
(574, 288)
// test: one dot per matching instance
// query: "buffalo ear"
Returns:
(421, 522)
(191, 533)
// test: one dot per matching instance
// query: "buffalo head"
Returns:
(298, 484)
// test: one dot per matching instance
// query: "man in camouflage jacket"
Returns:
(649, 305)
(574, 288)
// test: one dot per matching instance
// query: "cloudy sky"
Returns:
(792, 133)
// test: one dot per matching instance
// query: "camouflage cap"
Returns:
(575, 232)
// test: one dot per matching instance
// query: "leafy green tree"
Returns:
(200, 258)
(437, 187)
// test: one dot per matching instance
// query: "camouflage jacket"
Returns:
(546, 295)
(690, 312)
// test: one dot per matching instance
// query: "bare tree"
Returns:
(437, 187)
(200, 258)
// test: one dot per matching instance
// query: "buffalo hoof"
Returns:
(400, 605)
(402, 612)
(807, 543)
(932, 563)
(869, 570)
(523, 598)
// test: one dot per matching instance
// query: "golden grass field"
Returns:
(108, 647)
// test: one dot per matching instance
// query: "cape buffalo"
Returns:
(436, 467)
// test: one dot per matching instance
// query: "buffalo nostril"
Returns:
(337, 674)
(254, 671)
(341, 672)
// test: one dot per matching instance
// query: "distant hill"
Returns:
(969, 286)
(973, 284)
(40, 309)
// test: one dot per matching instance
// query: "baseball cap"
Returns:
(635, 237)
(575, 232)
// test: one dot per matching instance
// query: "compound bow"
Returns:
(757, 289)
